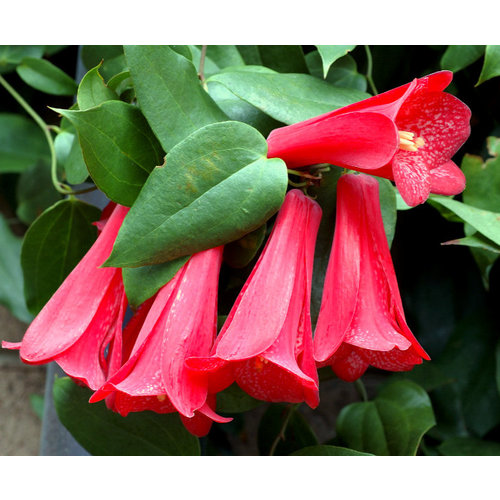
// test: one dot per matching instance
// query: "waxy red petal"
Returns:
(83, 360)
(266, 314)
(265, 343)
(447, 179)
(64, 317)
(181, 322)
(341, 285)
(363, 139)
(376, 332)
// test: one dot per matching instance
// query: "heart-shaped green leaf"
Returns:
(217, 185)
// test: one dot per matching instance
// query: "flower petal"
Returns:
(340, 291)
(266, 313)
(441, 120)
(412, 178)
(66, 318)
(358, 139)
(447, 179)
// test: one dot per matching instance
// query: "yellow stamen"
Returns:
(406, 135)
(260, 362)
(407, 142)
(161, 397)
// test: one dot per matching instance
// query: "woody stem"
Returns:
(281, 433)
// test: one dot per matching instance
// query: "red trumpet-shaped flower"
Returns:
(361, 320)
(265, 344)
(407, 134)
(180, 322)
(84, 315)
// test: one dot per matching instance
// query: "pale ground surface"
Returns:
(19, 425)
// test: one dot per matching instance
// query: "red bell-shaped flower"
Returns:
(84, 315)
(265, 344)
(361, 320)
(408, 134)
(180, 321)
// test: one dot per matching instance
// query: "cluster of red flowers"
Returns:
(169, 357)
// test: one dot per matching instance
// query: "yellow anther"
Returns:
(419, 142)
(260, 362)
(406, 135)
(161, 397)
(407, 142)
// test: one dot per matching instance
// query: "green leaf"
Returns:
(53, 246)
(111, 56)
(342, 73)
(330, 53)
(118, 146)
(475, 241)
(44, 76)
(141, 283)
(240, 253)
(416, 405)
(235, 400)
(35, 192)
(92, 90)
(483, 177)
(225, 55)
(288, 98)
(11, 275)
(328, 451)
(70, 158)
(466, 446)
(481, 191)
(216, 187)
(239, 110)
(491, 66)
(12, 55)
(209, 66)
(484, 221)
(103, 432)
(472, 345)
(22, 143)
(298, 434)
(457, 57)
(170, 93)
(387, 195)
(250, 54)
(392, 424)
(283, 58)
